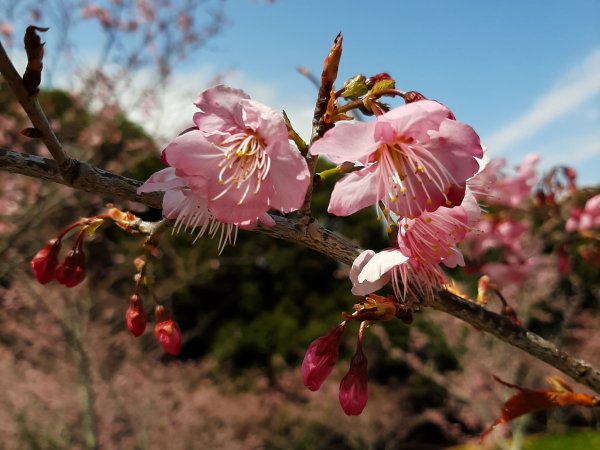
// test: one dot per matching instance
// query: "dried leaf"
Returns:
(528, 400)
(35, 52)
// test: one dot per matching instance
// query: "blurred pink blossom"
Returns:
(510, 190)
(587, 218)
(6, 31)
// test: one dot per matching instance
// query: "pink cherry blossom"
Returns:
(505, 233)
(423, 243)
(415, 158)
(187, 205)
(241, 156)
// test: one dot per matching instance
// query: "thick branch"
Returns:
(93, 179)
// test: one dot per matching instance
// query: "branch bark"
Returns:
(92, 179)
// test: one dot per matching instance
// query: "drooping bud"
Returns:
(135, 316)
(321, 357)
(354, 386)
(71, 271)
(166, 331)
(45, 261)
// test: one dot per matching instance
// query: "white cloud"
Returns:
(572, 153)
(578, 86)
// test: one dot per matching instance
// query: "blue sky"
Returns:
(524, 74)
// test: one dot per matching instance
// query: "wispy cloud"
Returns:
(577, 87)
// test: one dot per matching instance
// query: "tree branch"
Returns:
(92, 179)
(35, 113)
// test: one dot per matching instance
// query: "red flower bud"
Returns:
(72, 270)
(45, 261)
(354, 386)
(167, 332)
(135, 316)
(320, 358)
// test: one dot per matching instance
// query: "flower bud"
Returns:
(45, 261)
(167, 332)
(320, 358)
(354, 386)
(355, 87)
(135, 316)
(72, 270)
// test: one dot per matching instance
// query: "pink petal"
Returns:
(456, 258)
(172, 201)
(413, 120)
(163, 180)
(356, 191)
(471, 207)
(220, 109)
(290, 177)
(192, 154)
(456, 146)
(262, 119)
(347, 142)
(365, 287)
(228, 210)
(381, 264)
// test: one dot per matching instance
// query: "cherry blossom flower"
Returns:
(321, 357)
(415, 158)
(241, 156)
(423, 243)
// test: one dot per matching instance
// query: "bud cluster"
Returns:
(318, 363)
(71, 271)
(166, 329)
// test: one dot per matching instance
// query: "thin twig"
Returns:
(37, 116)
(92, 179)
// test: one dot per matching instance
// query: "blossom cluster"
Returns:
(416, 162)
